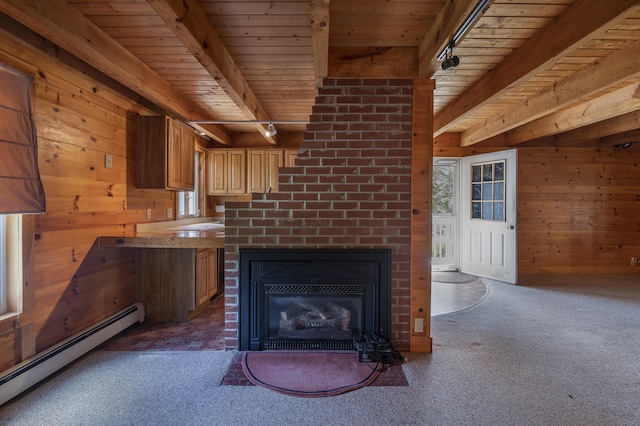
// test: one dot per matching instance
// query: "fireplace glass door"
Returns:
(313, 312)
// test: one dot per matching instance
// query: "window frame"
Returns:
(183, 197)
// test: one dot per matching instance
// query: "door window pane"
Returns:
(487, 191)
(476, 191)
(476, 173)
(487, 172)
(476, 210)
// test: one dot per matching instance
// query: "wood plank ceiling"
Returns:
(531, 71)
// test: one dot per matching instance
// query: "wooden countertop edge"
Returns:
(150, 240)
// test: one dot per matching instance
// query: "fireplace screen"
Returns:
(312, 299)
(314, 317)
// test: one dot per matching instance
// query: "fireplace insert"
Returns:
(313, 298)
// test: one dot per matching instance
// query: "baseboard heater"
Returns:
(29, 372)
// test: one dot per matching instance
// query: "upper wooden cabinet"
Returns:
(165, 154)
(290, 156)
(240, 171)
(226, 171)
(262, 169)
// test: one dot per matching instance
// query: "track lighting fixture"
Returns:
(271, 130)
(450, 61)
(446, 56)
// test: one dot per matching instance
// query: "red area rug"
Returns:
(308, 373)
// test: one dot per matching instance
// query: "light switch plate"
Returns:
(169, 212)
(108, 161)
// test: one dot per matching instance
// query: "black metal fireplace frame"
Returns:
(252, 334)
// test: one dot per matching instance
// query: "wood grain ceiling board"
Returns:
(138, 28)
(504, 27)
(271, 43)
(379, 23)
(509, 22)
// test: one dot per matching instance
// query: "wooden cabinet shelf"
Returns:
(165, 154)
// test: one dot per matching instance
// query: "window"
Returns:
(3, 264)
(189, 202)
(487, 191)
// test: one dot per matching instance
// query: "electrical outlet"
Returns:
(169, 212)
(418, 326)
(108, 161)
(148, 213)
(634, 261)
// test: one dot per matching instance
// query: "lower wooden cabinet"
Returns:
(173, 283)
(206, 275)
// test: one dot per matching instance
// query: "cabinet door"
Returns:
(237, 171)
(180, 156)
(290, 156)
(212, 276)
(187, 158)
(256, 171)
(202, 276)
(217, 171)
(274, 159)
(174, 147)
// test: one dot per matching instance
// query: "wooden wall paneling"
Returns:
(79, 119)
(7, 350)
(421, 183)
(578, 210)
(73, 296)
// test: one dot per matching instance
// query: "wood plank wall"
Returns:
(578, 210)
(80, 116)
(578, 207)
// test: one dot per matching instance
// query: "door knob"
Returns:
(510, 227)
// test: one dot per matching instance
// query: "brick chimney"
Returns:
(350, 188)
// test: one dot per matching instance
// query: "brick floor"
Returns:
(203, 333)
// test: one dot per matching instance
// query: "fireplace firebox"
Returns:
(313, 298)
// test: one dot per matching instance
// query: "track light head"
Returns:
(451, 62)
(624, 145)
(271, 130)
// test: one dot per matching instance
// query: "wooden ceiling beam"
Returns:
(619, 102)
(190, 24)
(63, 25)
(582, 21)
(622, 65)
(320, 38)
(451, 16)
(620, 128)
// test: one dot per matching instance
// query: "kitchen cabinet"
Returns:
(239, 171)
(256, 175)
(206, 275)
(173, 283)
(273, 160)
(290, 156)
(226, 171)
(165, 154)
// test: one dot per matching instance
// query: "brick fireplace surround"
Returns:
(350, 188)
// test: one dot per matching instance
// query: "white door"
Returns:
(488, 216)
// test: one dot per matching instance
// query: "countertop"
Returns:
(201, 235)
